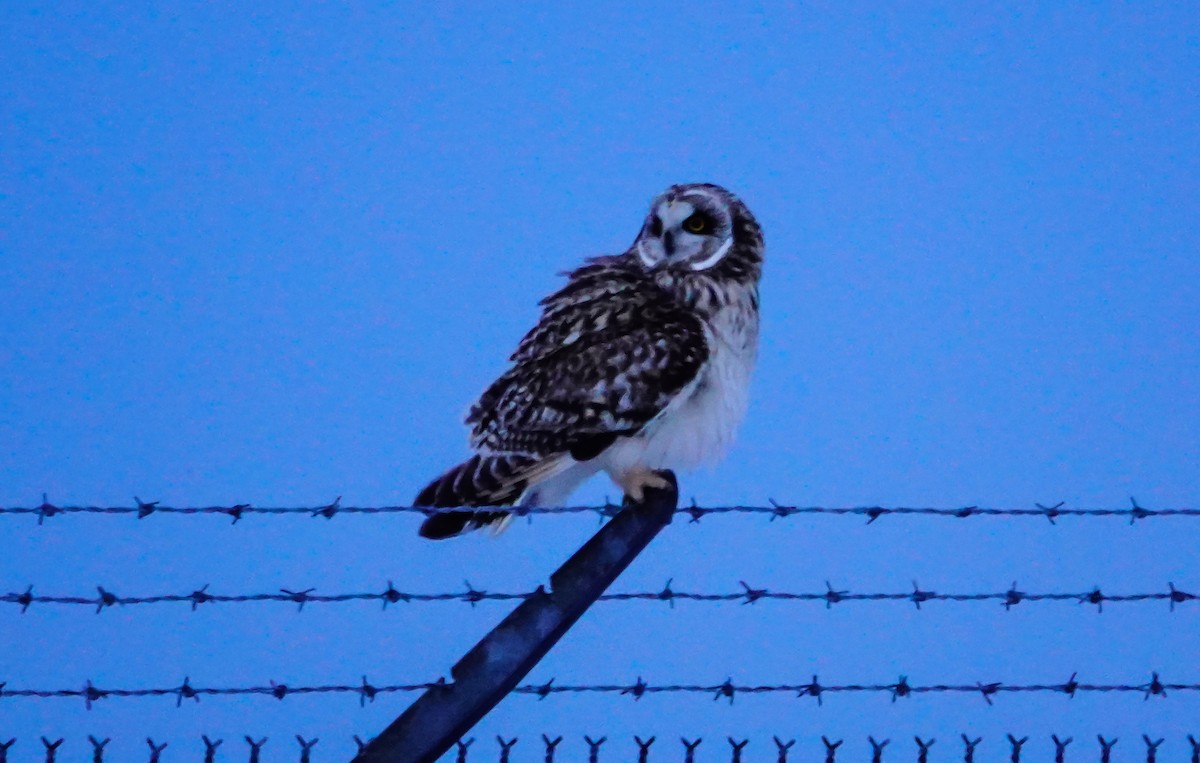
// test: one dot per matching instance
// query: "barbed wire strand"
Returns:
(551, 747)
(1009, 598)
(726, 690)
(774, 510)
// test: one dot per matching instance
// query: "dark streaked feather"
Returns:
(449, 524)
(611, 350)
(478, 481)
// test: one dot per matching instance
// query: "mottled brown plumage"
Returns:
(609, 352)
(639, 362)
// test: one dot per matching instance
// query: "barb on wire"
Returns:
(1152, 748)
(923, 749)
(782, 748)
(594, 748)
(643, 748)
(830, 748)
(551, 746)
(725, 690)
(505, 747)
(736, 748)
(155, 749)
(1060, 747)
(877, 749)
(51, 749)
(143, 509)
(1106, 748)
(255, 748)
(210, 748)
(969, 748)
(98, 748)
(1017, 744)
(105, 599)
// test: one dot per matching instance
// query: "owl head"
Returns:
(700, 228)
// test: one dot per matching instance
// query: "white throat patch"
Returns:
(713, 258)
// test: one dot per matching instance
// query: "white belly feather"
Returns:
(699, 424)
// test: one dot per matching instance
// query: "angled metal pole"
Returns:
(494, 667)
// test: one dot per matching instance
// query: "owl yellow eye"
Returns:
(697, 223)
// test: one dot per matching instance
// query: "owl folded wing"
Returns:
(609, 354)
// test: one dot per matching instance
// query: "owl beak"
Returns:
(668, 241)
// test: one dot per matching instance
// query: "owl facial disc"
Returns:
(688, 227)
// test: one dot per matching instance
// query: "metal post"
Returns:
(494, 667)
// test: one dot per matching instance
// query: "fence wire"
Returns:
(1009, 598)
(728, 690)
(774, 510)
(640, 749)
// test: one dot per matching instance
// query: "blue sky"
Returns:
(271, 256)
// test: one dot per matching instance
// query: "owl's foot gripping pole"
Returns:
(494, 667)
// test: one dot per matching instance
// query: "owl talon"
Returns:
(635, 483)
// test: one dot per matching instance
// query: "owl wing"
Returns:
(610, 352)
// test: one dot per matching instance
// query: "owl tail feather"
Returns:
(478, 481)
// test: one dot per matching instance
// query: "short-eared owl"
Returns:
(641, 362)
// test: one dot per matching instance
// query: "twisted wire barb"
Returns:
(1009, 598)
(774, 510)
(643, 748)
(727, 690)
(969, 746)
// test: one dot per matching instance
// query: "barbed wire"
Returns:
(551, 747)
(726, 690)
(774, 510)
(1009, 598)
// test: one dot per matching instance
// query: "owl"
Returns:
(641, 362)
